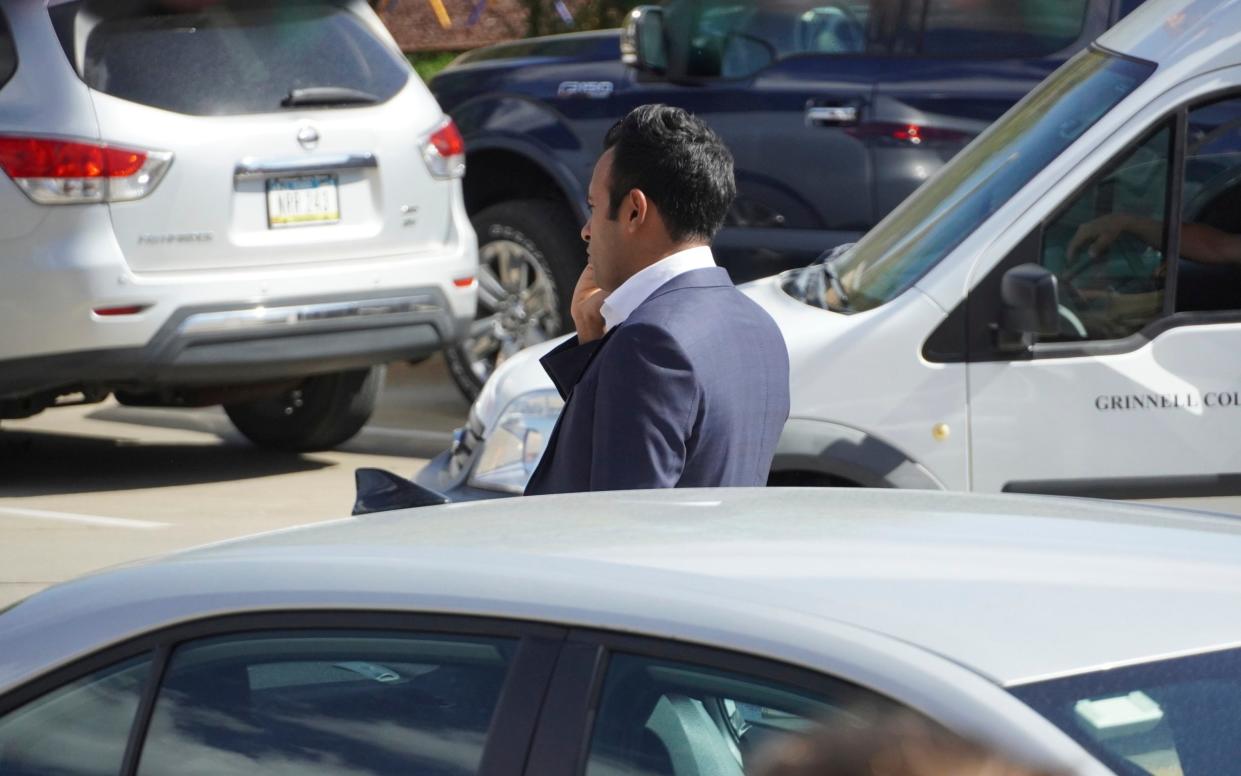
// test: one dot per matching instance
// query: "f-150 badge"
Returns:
(595, 90)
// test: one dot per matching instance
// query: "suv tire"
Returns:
(537, 240)
(319, 414)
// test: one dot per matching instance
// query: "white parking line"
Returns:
(413, 433)
(408, 433)
(70, 517)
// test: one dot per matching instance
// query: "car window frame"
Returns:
(513, 724)
(966, 334)
(562, 740)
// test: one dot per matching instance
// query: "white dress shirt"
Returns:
(621, 303)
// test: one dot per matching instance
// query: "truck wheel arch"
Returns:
(814, 452)
(502, 169)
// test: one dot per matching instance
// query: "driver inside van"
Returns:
(1199, 242)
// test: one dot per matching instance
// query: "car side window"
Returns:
(738, 39)
(370, 702)
(659, 718)
(1003, 29)
(1106, 247)
(80, 729)
(1209, 270)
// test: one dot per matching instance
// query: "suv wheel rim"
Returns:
(516, 306)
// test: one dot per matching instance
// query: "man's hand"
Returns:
(586, 307)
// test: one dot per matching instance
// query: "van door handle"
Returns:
(831, 115)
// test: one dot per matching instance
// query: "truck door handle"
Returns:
(831, 115)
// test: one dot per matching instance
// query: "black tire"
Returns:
(321, 413)
(553, 247)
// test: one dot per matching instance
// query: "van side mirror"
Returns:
(1031, 302)
(642, 40)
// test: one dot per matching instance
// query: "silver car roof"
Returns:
(1013, 588)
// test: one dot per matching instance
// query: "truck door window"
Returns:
(1106, 247)
(1002, 29)
(737, 39)
(1209, 273)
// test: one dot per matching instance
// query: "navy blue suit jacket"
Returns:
(692, 390)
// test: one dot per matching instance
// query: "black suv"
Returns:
(835, 111)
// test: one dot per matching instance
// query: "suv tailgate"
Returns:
(254, 183)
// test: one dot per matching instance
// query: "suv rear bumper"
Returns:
(236, 345)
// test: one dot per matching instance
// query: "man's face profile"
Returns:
(604, 235)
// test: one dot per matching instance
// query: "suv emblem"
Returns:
(308, 136)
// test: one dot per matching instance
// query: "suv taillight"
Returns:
(67, 172)
(444, 152)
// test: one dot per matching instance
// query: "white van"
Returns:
(970, 341)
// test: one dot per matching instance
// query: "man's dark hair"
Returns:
(678, 163)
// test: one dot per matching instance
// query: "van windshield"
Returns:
(978, 181)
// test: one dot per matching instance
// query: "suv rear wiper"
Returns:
(327, 95)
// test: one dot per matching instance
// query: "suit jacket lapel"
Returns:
(566, 367)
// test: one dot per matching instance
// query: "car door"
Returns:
(316, 693)
(1137, 395)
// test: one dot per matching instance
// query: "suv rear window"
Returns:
(1001, 28)
(230, 58)
(8, 54)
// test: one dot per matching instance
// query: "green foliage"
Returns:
(428, 63)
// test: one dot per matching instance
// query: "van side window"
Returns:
(1209, 273)
(1000, 28)
(738, 39)
(1106, 247)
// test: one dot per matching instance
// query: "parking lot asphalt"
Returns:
(87, 487)
(84, 488)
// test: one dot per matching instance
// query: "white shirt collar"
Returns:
(621, 303)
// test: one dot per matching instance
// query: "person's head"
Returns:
(663, 183)
(895, 744)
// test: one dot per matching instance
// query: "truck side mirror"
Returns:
(642, 40)
(1031, 303)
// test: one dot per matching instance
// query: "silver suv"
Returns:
(249, 204)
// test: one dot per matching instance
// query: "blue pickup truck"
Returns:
(835, 110)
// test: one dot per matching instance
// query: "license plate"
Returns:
(303, 201)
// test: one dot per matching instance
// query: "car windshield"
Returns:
(1176, 716)
(979, 180)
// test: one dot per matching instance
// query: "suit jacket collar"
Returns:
(708, 277)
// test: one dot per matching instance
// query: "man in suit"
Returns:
(675, 378)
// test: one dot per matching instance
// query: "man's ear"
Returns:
(635, 209)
